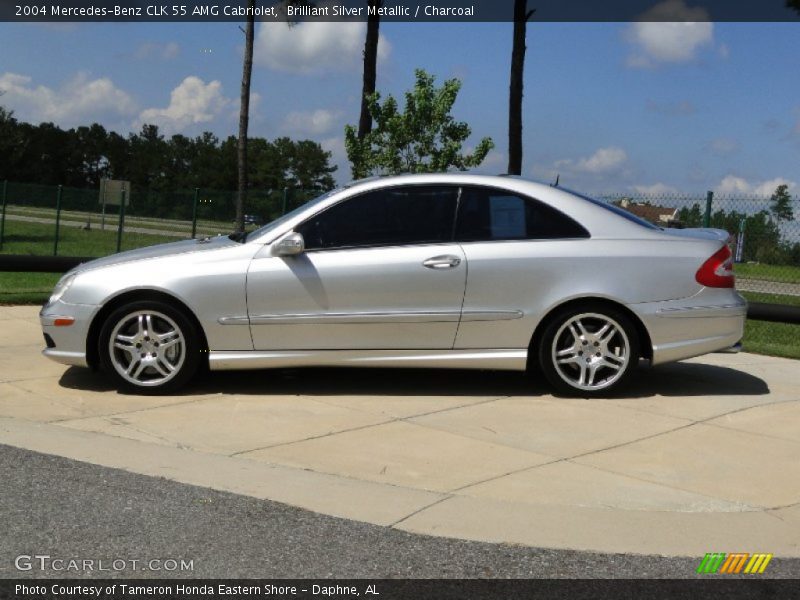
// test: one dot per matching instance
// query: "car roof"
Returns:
(600, 221)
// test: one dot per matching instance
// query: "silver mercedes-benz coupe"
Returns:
(449, 270)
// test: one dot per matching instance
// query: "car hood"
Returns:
(158, 251)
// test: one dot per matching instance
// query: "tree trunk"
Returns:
(370, 69)
(244, 118)
(521, 16)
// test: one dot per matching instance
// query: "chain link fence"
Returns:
(44, 220)
(63, 221)
(55, 220)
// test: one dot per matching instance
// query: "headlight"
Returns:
(61, 287)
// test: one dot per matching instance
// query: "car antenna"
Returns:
(556, 182)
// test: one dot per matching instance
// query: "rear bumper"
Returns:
(710, 321)
(735, 349)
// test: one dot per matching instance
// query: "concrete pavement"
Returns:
(698, 456)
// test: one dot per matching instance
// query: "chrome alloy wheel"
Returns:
(147, 348)
(590, 351)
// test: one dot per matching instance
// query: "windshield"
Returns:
(615, 209)
(282, 219)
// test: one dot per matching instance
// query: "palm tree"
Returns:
(521, 17)
(244, 116)
(370, 66)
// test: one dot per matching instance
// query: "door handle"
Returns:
(445, 261)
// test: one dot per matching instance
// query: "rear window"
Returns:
(487, 214)
(615, 209)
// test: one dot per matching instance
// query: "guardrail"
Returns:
(758, 311)
(16, 263)
(777, 313)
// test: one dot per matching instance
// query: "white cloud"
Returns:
(731, 184)
(314, 46)
(192, 102)
(656, 189)
(151, 50)
(670, 32)
(606, 167)
(315, 122)
(734, 185)
(77, 102)
(603, 161)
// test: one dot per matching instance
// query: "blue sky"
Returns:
(611, 107)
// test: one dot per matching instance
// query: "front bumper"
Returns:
(67, 326)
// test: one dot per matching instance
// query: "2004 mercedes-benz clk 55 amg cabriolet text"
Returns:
(451, 270)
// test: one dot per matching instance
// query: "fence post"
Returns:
(121, 220)
(283, 207)
(3, 218)
(194, 212)
(707, 215)
(58, 220)
(740, 243)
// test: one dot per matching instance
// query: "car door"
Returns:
(380, 271)
(520, 252)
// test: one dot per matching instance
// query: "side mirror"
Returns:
(290, 245)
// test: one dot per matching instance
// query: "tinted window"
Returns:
(388, 217)
(616, 210)
(486, 214)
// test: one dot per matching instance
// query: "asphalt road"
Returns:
(72, 510)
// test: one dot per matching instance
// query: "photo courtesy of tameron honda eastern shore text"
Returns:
(448, 270)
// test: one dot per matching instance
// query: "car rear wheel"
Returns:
(588, 350)
(149, 347)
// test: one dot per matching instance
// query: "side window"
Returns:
(485, 214)
(388, 217)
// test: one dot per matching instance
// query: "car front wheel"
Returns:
(149, 347)
(589, 351)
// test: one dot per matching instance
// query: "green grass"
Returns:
(773, 339)
(130, 220)
(26, 288)
(37, 239)
(204, 227)
(771, 298)
(782, 273)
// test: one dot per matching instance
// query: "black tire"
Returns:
(164, 364)
(590, 365)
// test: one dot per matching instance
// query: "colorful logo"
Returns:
(736, 562)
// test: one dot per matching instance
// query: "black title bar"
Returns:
(750, 588)
(399, 10)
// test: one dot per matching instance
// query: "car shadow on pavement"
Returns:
(676, 379)
(693, 379)
(336, 382)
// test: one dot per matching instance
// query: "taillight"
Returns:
(717, 271)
